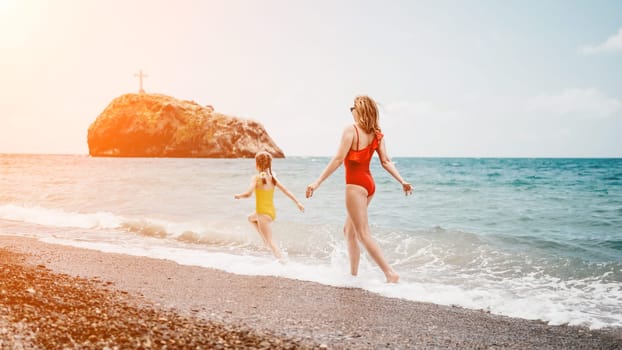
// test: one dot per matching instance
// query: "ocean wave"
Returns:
(615, 244)
(99, 220)
(206, 234)
(58, 217)
(521, 182)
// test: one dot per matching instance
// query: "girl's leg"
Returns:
(354, 251)
(356, 204)
(264, 226)
(254, 220)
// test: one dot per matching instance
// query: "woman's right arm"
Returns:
(344, 146)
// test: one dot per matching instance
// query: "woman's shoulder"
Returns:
(350, 128)
(348, 131)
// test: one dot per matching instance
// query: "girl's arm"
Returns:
(290, 195)
(388, 165)
(249, 191)
(344, 146)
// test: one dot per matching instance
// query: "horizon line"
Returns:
(326, 156)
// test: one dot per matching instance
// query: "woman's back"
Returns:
(361, 139)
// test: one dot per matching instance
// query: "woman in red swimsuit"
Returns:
(358, 144)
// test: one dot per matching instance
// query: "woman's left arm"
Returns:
(344, 145)
(389, 166)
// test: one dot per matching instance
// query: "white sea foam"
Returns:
(58, 217)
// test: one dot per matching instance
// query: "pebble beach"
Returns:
(57, 297)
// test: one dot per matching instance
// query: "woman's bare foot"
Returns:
(392, 277)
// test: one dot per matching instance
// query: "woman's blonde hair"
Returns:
(367, 112)
(263, 160)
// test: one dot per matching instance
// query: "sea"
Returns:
(530, 238)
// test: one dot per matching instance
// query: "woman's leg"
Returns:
(354, 251)
(356, 204)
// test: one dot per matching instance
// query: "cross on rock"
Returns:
(140, 76)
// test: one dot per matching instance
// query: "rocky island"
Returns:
(155, 125)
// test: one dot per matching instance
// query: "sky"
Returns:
(452, 78)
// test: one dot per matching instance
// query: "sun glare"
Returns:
(18, 20)
(8, 14)
(6, 6)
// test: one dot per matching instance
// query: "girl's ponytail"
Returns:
(272, 175)
(263, 161)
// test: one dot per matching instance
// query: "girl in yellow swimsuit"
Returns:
(263, 185)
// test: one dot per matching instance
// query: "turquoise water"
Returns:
(531, 238)
(566, 207)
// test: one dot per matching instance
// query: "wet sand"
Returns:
(54, 296)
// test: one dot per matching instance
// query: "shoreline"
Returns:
(291, 312)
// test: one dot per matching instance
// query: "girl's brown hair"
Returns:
(367, 112)
(263, 160)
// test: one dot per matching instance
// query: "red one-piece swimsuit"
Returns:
(356, 164)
